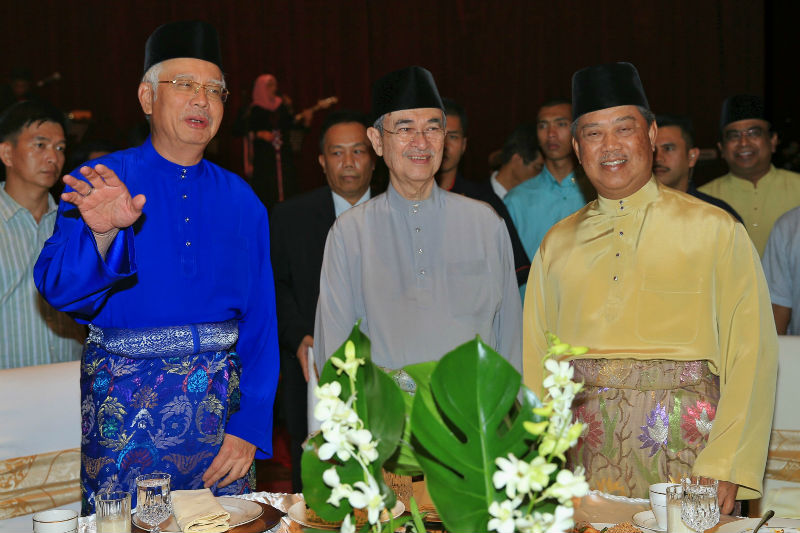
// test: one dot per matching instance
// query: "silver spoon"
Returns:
(769, 514)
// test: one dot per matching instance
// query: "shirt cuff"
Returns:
(253, 423)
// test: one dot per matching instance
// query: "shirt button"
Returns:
(617, 254)
(184, 197)
(419, 251)
(414, 210)
(621, 233)
(421, 272)
(186, 219)
(755, 224)
(615, 278)
(188, 243)
(417, 229)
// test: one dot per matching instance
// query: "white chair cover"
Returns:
(40, 438)
(782, 478)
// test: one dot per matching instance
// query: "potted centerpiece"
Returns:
(492, 453)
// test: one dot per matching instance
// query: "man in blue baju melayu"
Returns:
(166, 257)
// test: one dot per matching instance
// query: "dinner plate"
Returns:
(298, 513)
(776, 525)
(242, 512)
(647, 520)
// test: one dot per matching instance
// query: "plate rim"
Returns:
(241, 501)
(138, 523)
(642, 523)
(302, 503)
(730, 527)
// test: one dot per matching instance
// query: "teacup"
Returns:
(55, 521)
(658, 502)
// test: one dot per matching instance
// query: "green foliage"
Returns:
(379, 403)
(466, 418)
(403, 462)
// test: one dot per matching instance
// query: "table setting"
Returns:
(474, 425)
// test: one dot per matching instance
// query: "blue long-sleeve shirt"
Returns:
(198, 253)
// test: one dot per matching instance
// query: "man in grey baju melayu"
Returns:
(424, 269)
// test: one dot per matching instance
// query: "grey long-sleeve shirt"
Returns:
(424, 277)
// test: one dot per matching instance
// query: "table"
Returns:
(595, 507)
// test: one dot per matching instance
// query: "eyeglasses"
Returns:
(756, 132)
(431, 133)
(214, 91)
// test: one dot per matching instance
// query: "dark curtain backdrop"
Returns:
(500, 59)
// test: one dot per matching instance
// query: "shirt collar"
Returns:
(499, 190)
(340, 205)
(9, 206)
(635, 201)
(745, 183)
(408, 206)
(152, 156)
(545, 174)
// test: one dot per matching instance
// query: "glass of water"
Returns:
(113, 512)
(700, 508)
(153, 501)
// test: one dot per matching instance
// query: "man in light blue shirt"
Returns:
(536, 204)
(32, 145)
(781, 263)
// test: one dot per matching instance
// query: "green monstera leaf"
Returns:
(379, 404)
(403, 462)
(465, 419)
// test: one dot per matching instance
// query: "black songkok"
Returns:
(603, 86)
(408, 88)
(741, 107)
(187, 38)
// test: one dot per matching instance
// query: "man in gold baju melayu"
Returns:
(668, 293)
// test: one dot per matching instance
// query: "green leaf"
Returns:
(403, 462)
(379, 404)
(467, 418)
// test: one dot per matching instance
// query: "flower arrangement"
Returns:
(491, 451)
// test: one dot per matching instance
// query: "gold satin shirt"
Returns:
(663, 275)
(760, 206)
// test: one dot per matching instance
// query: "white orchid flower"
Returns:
(569, 485)
(561, 520)
(347, 525)
(367, 448)
(351, 362)
(369, 497)
(508, 475)
(536, 475)
(503, 514)
(560, 373)
(339, 490)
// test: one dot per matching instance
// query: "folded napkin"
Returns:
(198, 511)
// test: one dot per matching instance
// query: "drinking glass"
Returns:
(674, 508)
(153, 502)
(113, 512)
(700, 508)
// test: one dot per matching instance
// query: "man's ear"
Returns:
(5, 153)
(321, 160)
(146, 98)
(577, 149)
(694, 154)
(376, 140)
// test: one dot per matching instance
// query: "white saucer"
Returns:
(787, 525)
(647, 520)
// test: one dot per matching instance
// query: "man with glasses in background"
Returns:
(425, 270)
(166, 257)
(758, 191)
